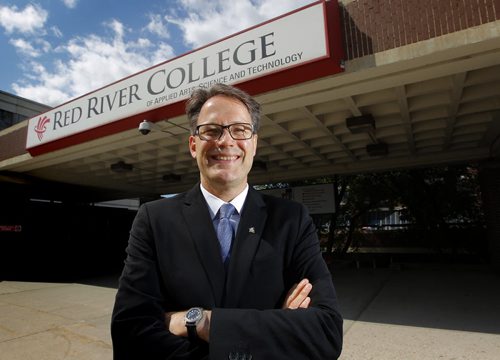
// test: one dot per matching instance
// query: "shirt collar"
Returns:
(214, 203)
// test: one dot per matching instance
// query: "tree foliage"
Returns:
(432, 199)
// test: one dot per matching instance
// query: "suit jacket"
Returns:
(173, 263)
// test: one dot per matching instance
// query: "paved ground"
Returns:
(433, 313)
(419, 313)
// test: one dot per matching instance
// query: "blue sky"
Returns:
(55, 50)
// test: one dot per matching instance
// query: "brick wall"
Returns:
(371, 26)
(13, 143)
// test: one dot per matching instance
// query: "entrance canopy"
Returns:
(433, 102)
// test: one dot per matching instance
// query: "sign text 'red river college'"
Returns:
(288, 41)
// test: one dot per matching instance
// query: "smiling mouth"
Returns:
(225, 158)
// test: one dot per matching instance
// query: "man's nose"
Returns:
(225, 136)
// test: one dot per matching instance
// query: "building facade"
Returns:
(421, 77)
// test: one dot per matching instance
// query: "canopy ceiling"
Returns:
(441, 107)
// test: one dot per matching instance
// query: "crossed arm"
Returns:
(297, 297)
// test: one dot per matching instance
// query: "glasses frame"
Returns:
(222, 128)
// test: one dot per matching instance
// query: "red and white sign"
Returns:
(286, 43)
(11, 228)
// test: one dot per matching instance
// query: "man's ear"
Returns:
(254, 139)
(192, 146)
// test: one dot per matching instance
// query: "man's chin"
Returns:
(225, 177)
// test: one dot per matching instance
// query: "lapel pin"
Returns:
(251, 230)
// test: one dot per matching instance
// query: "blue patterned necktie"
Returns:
(225, 229)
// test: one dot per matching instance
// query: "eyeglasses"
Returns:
(213, 132)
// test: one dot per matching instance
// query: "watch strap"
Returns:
(192, 333)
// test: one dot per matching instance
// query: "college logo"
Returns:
(41, 126)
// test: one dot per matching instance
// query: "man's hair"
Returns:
(201, 95)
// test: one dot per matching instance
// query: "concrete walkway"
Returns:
(432, 313)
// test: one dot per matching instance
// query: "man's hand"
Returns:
(174, 322)
(298, 296)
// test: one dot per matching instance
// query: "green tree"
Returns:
(431, 199)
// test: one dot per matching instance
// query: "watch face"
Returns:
(194, 314)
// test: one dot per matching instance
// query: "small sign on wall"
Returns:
(319, 199)
(11, 228)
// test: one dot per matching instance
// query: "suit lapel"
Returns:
(205, 241)
(250, 228)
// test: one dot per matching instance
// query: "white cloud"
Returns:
(56, 31)
(28, 21)
(50, 89)
(93, 62)
(70, 3)
(28, 49)
(210, 21)
(162, 53)
(24, 47)
(117, 27)
(157, 27)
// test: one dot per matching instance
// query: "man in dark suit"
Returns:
(202, 284)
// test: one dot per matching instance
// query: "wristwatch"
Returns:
(193, 318)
